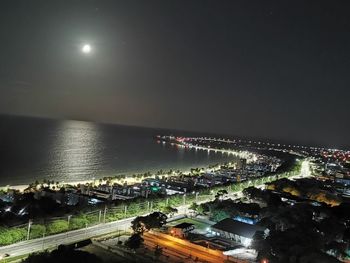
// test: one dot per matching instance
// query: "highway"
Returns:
(39, 244)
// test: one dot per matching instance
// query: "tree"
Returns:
(252, 193)
(220, 194)
(135, 241)
(218, 215)
(292, 244)
(170, 210)
(145, 223)
(199, 209)
(260, 245)
(63, 254)
(331, 229)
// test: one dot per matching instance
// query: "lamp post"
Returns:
(29, 225)
(99, 216)
(43, 238)
(104, 214)
(68, 220)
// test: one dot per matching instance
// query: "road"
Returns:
(39, 244)
(180, 251)
(30, 246)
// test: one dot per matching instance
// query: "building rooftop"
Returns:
(238, 228)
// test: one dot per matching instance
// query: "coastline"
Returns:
(128, 179)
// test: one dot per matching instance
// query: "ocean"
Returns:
(36, 149)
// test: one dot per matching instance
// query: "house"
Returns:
(100, 194)
(235, 230)
(182, 230)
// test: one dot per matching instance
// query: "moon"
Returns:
(86, 49)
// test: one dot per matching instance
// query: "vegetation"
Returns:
(79, 221)
(170, 210)
(145, 223)
(300, 231)
(12, 235)
(306, 188)
(57, 226)
(199, 209)
(37, 231)
(62, 254)
(134, 241)
(299, 244)
(221, 193)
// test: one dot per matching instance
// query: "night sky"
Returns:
(267, 69)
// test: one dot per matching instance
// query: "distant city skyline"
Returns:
(272, 70)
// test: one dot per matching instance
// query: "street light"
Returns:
(68, 220)
(29, 225)
(43, 237)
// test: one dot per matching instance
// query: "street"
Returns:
(180, 250)
(39, 244)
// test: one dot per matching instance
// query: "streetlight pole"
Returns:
(68, 220)
(29, 225)
(44, 237)
(104, 214)
(99, 216)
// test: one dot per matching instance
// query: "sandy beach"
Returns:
(129, 180)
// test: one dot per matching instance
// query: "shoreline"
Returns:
(128, 179)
